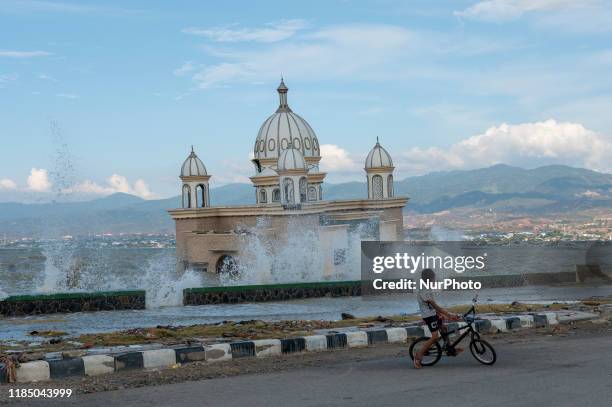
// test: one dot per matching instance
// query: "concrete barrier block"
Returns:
(158, 358)
(190, 354)
(315, 343)
(267, 347)
(60, 368)
(218, 352)
(415, 331)
(552, 318)
(527, 321)
(98, 364)
(396, 335)
(3, 373)
(356, 339)
(293, 345)
(484, 326)
(131, 360)
(513, 322)
(33, 372)
(377, 336)
(499, 325)
(540, 321)
(242, 349)
(336, 340)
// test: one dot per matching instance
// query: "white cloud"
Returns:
(7, 183)
(141, 189)
(115, 183)
(361, 51)
(68, 95)
(38, 180)
(184, 69)
(337, 159)
(272, 32)
(588, 194)
(501, 10)
(527, 144)
(23, 54)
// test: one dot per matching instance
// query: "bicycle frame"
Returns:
(469, 330)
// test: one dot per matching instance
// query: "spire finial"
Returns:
(282, 94)
(192, 149)
(377, 140)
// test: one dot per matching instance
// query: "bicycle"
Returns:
(480, 349)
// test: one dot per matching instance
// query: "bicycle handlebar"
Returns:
(472, 309)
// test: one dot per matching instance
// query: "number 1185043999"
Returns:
(39, 393)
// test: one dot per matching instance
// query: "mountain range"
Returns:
(544, 190)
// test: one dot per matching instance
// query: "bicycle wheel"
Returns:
(483, 351)
(431, 356)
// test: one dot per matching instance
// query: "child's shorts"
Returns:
(433, 323)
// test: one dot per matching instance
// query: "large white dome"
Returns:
(378, 157)
(284, 129)
(193, 166)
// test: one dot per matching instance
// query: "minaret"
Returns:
(194, 178)
(379, 173)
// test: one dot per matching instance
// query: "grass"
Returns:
(257, 329)
(282, 329)
(237, 330)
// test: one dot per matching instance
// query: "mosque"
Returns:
(289, 196)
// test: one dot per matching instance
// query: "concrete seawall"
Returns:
(283, 292)
(72, 302)
(272, 292)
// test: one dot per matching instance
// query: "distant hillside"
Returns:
(549, 189)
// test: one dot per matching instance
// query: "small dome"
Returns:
(291, 159)
(285, 128)
(378, 157)
(193, 166)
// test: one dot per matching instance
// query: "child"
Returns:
(431, 313)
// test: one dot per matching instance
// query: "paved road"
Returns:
(571, 371)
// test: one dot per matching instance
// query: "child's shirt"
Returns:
(427, 310)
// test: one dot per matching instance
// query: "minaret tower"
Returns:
(379, 173)
(194, 178)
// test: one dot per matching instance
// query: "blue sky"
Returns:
(99, 97)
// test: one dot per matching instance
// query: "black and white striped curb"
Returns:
(93, 365)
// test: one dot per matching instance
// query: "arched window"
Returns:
(227, 265)
(390, 185)
(276, 195)
(288, 190)
(263, 198)
(186, 196)
(201, 195)
(303, 188)
(312, 193)
(377, 187)
(320, 193)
